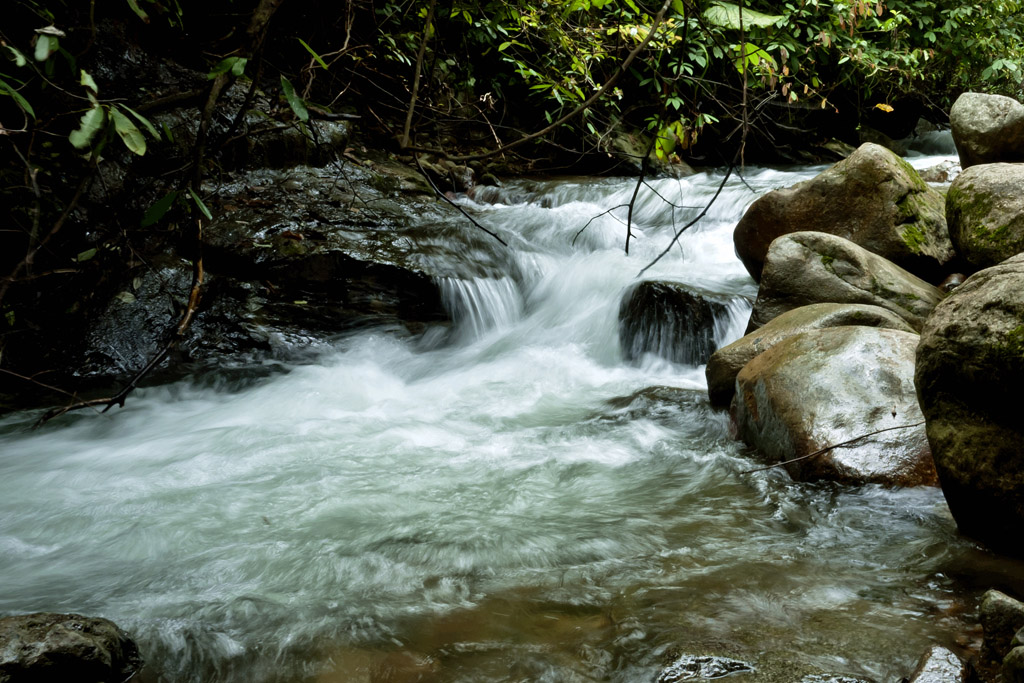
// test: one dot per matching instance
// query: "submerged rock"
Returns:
(985, 208)
(726, 362)
(987, 128)
(48, 647)
(812, 267)
(970, 367)
(690, 667)
(826, 387)
(668, 320)
(873, 198)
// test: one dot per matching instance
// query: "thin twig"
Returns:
(118, 399)
(416, 76)
(701, 215)
(828, 448)
(640, 181)
(594, 218)
(445, 197)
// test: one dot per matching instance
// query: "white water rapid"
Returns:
(495, 507)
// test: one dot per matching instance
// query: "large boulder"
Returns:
(726, 362)
(873, 198)
(812, 267)
(987, 128)
(65, 647)
(985, 208)
(668, 320)
(970, 367)
(825, 387)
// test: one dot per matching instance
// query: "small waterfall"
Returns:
(481, 304)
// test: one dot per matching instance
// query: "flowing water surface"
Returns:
(511, 503)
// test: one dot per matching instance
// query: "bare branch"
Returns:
(828, 448)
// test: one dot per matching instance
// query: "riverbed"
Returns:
(506, 500)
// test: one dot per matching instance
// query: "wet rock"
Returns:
(985, 208)
(690, 667)
(940, 665)
(1001, 618)
(666, 319)
(812, 267)
(65, 647)
(832, 678)
(873, 198)
(970, 366)
(828, 386)
(1013, 666)
(285, 145)
(987, 128)
(726, 362)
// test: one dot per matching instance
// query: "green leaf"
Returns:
(143, 120)
(159, 209)
(236, 65)
(200, 204)
(677, 6)
(88, 82)
(130, 134)
(727, 15)
(294, 101)
(138, 10)
(85, 255)
(19, 59)
(317, 57)
(21, 101)
(92, 123)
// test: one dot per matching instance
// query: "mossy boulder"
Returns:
(812, 267)
(985, 209)
(873, 198)
(970, 367)
(726, 362)
(987, 128)
(825, 387)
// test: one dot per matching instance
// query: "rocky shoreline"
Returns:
(853, 333)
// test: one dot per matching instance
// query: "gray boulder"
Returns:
(987, 128)
(873, 198)
(970, 367)
(825, 387)
(812, 267)
(726, 362)
(940, 665)
(985, 208)
(65, 647)
(668, 320)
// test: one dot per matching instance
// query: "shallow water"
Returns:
(502, 505)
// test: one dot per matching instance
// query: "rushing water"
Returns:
(503, 506)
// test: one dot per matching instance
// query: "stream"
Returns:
(508, 503)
